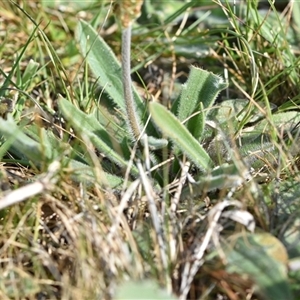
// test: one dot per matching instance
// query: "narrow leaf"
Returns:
(198, 94)
(30, 72)
(180, 136)
(23, 143)
(84, 173)
(28, 148)
(88, 125)
(283, 121)
(104, 65)
(147, 289)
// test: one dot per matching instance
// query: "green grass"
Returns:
(204, 206)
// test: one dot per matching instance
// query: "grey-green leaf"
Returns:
(180, 136)
(104, 65)
(198, 95)
(89, 125)
(84, 173)
(264, 259)
(22, 143)
(146, 289)
(222, 177)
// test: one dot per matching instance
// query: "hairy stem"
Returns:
(132, 116)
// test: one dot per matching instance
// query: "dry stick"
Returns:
(157, 223)
(173, 219)
(193, 265)
(21, 194)
(182, 180)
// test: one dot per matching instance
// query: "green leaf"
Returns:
(73, 5)
(198, 95)
(89, 126)
(107, 69)
(29, 73)
(145, 289)
(285, 196)
(180, 136)
(264, 259)
(44, 148)
(22, 143)
(84, 173)
(104, 65)
(46, 138)
(257, 150)
(221, 177)
(8, 77)
(15, 284)
(296, 14)
(233, 110)
(282, 120)
(256, 144)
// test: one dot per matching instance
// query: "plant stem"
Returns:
(132, 116)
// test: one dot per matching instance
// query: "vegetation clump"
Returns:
(149, 150)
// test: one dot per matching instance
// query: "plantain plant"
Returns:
(116, 126)
(223, 142)
(197, 97)
(184, 125)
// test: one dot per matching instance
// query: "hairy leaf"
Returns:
(89, 126)
(146, 289)
(198, 95)
(23, 144)
(104, 65)
(264, 259)
(180, 136)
